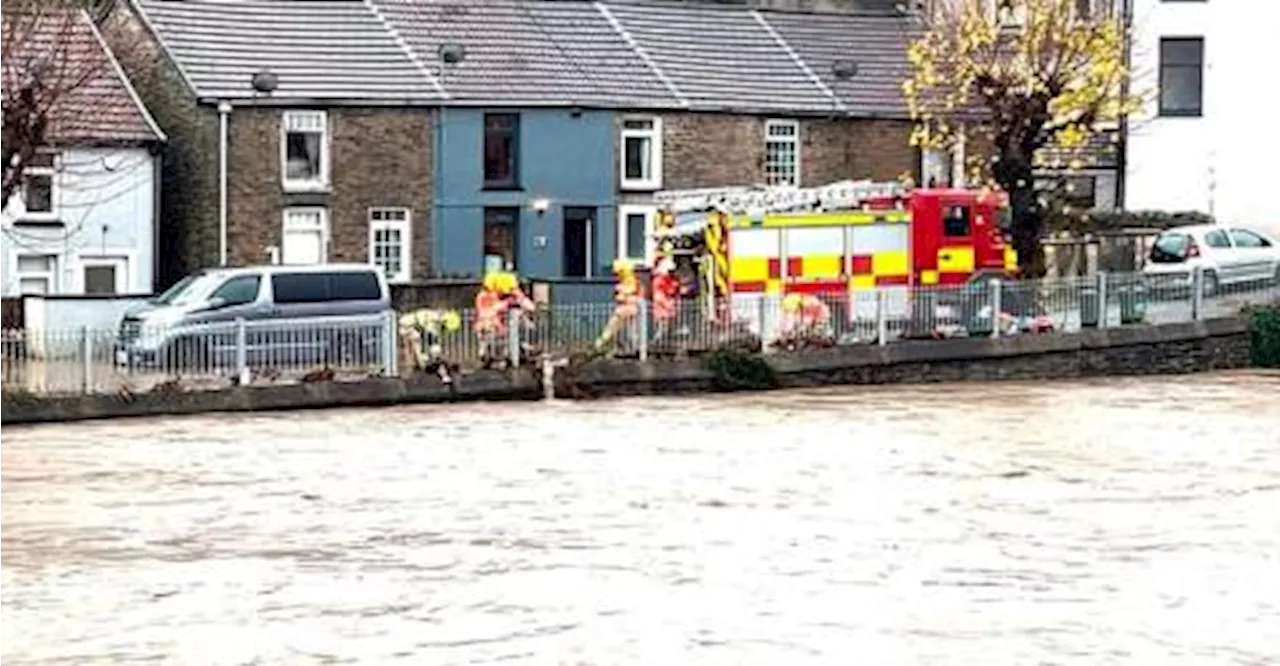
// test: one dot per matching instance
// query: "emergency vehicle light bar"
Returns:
(841, 195)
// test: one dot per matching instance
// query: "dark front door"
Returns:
(579, 239)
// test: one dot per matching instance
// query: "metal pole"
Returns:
(242, 352)
(882, 320)
(513, 337)
(996, 307)
(1102, 299)
(1197, 292)
(86, 354)
(643, 325)
(391, 345)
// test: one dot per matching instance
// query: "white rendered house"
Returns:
(84, 220)
(1205, 140)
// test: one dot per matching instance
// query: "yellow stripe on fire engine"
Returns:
(862, 282)
(822, 265)
(956, 259)
(773, 286)
(890, 263)
(839, 218)
(1010, 259)
(749, 269)
(928, 277)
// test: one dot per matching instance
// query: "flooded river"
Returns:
(1126, 521)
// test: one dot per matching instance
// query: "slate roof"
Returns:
(527, 51)
(93, 102)
(876, 44)
(318, 49)
(613, 54)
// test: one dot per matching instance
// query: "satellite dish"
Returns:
(844, 69)
(452, 54)
(265, 82)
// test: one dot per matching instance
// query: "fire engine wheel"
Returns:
(1209, 284)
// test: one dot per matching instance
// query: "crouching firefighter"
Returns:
(423, 333)
(626, 306)
(805, 317)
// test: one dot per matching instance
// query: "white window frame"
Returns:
(794, 139)
(654, 135)
(304, 120)
(650, 218)
(52, 172)
(405, 226)
(118, 260)
(322, 225)
(50, 275)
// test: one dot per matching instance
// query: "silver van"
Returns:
(278, 315)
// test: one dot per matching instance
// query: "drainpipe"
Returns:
(224, 112)
(1122, 158)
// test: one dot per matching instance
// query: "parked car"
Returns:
(1227, 255)
(293, 315)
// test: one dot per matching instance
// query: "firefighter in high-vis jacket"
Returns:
(804, 316)
(422, 332)
(499, 293)
(666, 291)
(627, 293)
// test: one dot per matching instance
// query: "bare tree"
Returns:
(51, 58)
(1019, 75)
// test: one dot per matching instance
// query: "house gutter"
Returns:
(224, 113)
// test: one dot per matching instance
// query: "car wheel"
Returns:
(1209, 283)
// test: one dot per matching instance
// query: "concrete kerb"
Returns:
(1071, 354)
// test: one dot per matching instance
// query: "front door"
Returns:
(579, 238)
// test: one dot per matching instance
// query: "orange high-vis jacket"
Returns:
(627, 294)
(489, 310)
(665, 289)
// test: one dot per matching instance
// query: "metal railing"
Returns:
(125, 360)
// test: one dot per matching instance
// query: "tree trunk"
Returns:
(1028, 227)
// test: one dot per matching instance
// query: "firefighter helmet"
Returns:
(451, 321)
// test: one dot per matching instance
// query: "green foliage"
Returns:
(736, 371)
(1264, 336)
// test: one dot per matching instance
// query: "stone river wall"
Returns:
(1205, 345)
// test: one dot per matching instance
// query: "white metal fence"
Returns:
(124, 360)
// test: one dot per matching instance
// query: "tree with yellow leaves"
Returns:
(1018, 75)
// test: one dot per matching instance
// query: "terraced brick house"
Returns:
(441, 137)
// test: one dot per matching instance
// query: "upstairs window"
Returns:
(305, 150)
(501, 150)
(38, 183)
(641, 151)
(1181, 76)
(782, 152)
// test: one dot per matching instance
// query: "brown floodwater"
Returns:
(1125, 521)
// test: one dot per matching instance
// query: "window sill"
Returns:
(38, 220)
(640, 186)
(502, 187)
(305, 188)
(1180, 114)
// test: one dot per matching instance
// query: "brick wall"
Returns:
(189, 166)
(709, 150)
(379, 158)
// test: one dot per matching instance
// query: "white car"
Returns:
(1227, 255)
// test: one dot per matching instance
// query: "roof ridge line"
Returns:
(407, 50)
(644, 55)
(795, 57)
(123, 79)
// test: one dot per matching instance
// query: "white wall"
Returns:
(55, 325)
(1225, 161)
(105, 198)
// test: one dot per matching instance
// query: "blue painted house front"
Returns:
(531, 189)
